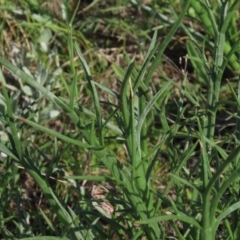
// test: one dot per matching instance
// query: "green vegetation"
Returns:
(104, 135)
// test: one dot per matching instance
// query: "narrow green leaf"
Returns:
(8, 152)
(181, 217)
(227, 182)
(91, 178)
(149, 107)
(185, 182)
(16, 144)
(226, 212)
(26, 78)
(94, 94)
(125, 94)
(48, 221)
(53, 133)
(166, 41)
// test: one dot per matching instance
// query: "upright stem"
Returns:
(213, 97)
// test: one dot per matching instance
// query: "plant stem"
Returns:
(209, 124)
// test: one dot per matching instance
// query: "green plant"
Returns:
(195, 197)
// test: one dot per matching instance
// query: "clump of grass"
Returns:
(203, 168)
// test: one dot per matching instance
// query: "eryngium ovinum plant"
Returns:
(200, 200)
